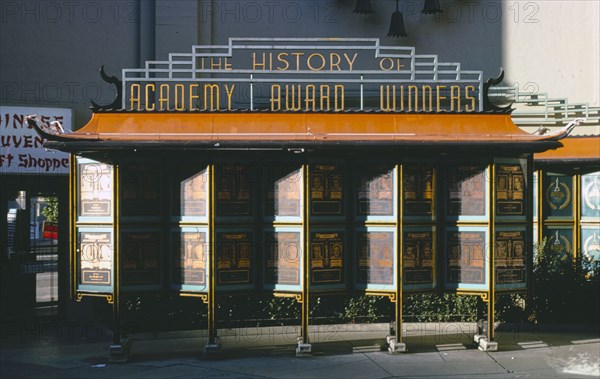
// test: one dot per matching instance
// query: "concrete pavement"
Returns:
(339, 351)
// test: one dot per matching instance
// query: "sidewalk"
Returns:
(339, 351)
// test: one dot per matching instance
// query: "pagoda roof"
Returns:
(204, 130)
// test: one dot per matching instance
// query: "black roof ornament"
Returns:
(487, 104)
(117, 103)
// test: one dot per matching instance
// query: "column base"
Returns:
(395, 347)
(303, 349)
(483, 344)
(213, 348)
(120, 353)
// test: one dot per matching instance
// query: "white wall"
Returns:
(554, 46)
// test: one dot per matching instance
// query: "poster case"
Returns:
(557, 196)
(140, 188)
(189, 189)
(376, 261)
(283, 191)
(419, 258)
(467, 192)
(511, 255)
(376, 192)
(328, 191)
(141, 259)
(95, 191)
(418, 195)
(559, 239)
(283, 259)
(511, 189)
(329, 258)
(235, 255)
(590, 243)
(466, 258)
(590, 197)
(94, 260)
(235, 197)
(189, 259)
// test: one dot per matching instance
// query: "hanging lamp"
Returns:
(397, 24)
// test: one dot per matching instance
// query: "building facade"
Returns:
(336, 154)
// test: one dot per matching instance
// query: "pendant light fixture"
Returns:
(363, 7)
(397, 24)
(431, 7)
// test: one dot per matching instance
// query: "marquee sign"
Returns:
(301, 75)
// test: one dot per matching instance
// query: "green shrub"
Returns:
(564, 289)
(50, 210)
(436, 307)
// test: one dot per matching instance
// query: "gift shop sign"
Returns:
(21, 148)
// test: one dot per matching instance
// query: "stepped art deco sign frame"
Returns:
(295, 74)
(342, 219)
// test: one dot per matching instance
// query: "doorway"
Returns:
(30, 272)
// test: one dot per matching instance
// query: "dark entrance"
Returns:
(34, 246)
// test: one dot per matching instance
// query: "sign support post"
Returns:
(304, 347)
(486, 341)
(213, 345)
(119, 350)
(395, 343)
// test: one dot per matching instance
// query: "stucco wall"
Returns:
(51, 51)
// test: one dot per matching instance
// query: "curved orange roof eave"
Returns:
(574, 148)
(342, 126)
(244, 129)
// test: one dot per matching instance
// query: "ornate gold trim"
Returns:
(298, 296)
(390, 295)
(484, 295)
(202, 296)
(109, 296)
